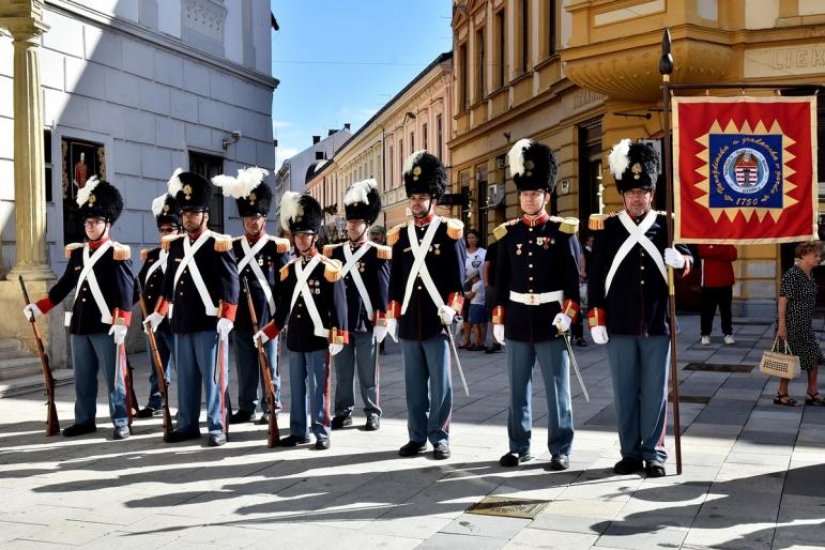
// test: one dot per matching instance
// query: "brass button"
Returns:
(530, 266)
(643, 268)
(529, 253)
(643, 281)
(529, 278)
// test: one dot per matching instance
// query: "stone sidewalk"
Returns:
(753, 473)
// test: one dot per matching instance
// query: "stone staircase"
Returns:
(20, 370)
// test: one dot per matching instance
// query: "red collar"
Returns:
(425, 221)
(312, 252)
(194, 236)
(94, 245)
(252, 239)
(538, 220)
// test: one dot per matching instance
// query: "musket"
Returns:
(219, 378)
(160, 374)
(52, 422)
(273, 437)
(573, 362)
(122, 374)
(455, 355)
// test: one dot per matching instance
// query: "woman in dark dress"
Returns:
(797, 299)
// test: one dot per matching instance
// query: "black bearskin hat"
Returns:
(192, 191)
(362, 201)
(99, 199)
(533, 166)
(424, 173)
(250, 191)
(634, 166)
(300, 213)
(167, 210)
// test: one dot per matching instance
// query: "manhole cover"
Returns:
(509, 507)
(708, 367)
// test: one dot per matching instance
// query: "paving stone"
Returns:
(449, 541)
(532, 538)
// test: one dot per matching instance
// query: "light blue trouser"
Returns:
(639, 368)
(165, 342)
(361, 352)
(428, 416)
(90, 353)
(249, 373)
(309, 374)
(554, 364)
(195, 360)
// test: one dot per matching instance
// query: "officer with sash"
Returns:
(200, 297)
(99, 273)
(260, 257)
(313, 301)
(426, 293)
(366, 274)
(536, 299)
(628, 295)
(167, 215)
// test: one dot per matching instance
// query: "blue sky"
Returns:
(341, 60)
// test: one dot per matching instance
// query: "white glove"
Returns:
(152, 322)
(260, 338)
(392, 329)
(224, 328)
(563, 322)
(599, 334)
(335, 348)
(31, 311)
(674, 258)
(447, 314)
(380, 332)
(118, 333)
(498, 333)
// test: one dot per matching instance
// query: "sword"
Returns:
(457, 360)
(566, 337)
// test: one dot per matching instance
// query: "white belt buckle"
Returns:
(532, 299)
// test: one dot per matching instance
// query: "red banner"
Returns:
(744, 169)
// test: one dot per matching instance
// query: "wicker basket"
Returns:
(783, 364)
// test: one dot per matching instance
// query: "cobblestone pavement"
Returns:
(753, 472)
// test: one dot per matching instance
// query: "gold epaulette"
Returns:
(237, 238)
(223, 243)
(285, 271)
(455, 228)
(569, 225)
(392, 234)
(383, 252)
(166, 241)
(122, 252)
(596, 221)
(71, 248)
(144, 253)
(281, 245)
(500, 231)
(328, 248)
(332, 270)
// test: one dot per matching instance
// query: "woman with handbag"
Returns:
(797, 299)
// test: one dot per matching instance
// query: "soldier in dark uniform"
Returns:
(426, 293)
(313, 297)
(536, 299)
(366, 274)
(99, 273)
(628, 296)
(200, 296)
(259, 256)
(167, 214)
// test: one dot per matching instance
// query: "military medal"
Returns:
(437, 249)
(518, 249)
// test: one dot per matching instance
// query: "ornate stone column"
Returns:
(23, 18)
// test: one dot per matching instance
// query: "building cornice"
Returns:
(94, 17)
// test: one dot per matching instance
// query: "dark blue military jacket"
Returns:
(535, 257)
(330, 300)
(375, 272)
(445, 262)
(272, 257)
(115, 278)
(637, 302)
(217, 267)
(153, 287)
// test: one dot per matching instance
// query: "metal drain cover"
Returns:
(509, 507)
(709, 367)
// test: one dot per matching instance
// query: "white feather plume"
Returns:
(359, 191)
(229, 185)
(618, 160)
(83, 194)
(290, 208)
(411, 160)
(249, 179)
(516, 156)
(175, 185)
(157, 205)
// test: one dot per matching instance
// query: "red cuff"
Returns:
(45, 304)
(228, 311)
(498, 315)
(271, 330)
(456, 301)
(162, 306)
(570, 308)
(393, 310)
(338, 336)
(596, 317)
(121, 317)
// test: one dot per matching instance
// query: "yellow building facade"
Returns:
(579, 75)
